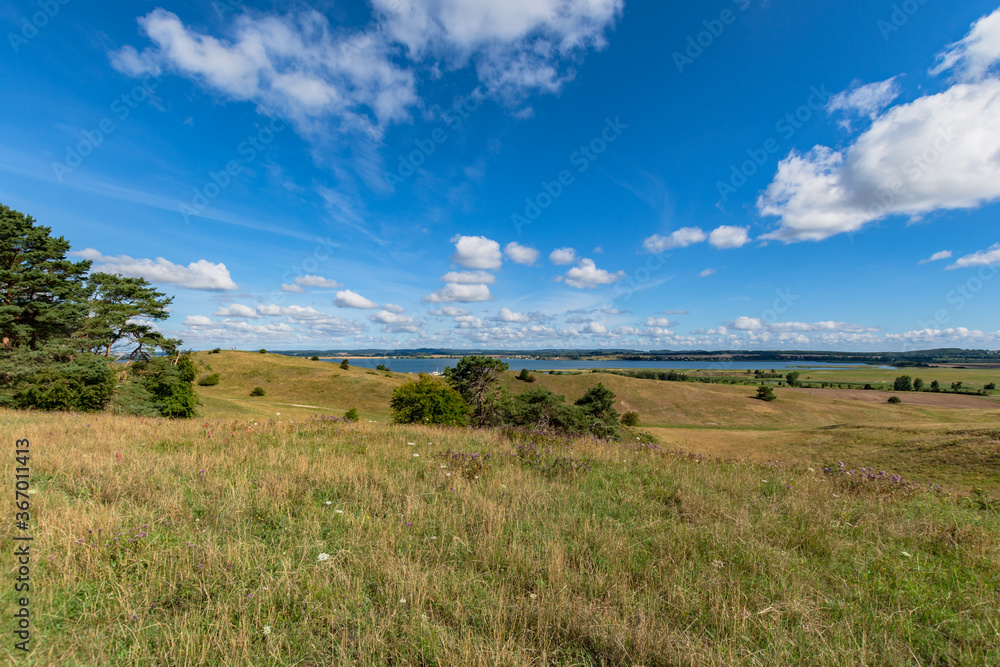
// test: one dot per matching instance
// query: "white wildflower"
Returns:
(267, 629)
(323, 557)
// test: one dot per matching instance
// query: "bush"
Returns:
(314, 358)
(428, 401)
(263, 351)
(257, 391)
(381, 367)
(630, 419)
(894, 400)
(351, 415)
(209, 380)
(160, 387)
(990, 387)
(215, 351)
(903, 383)
(345, 364)
(525, 376)
(85, 384)
(765, 393)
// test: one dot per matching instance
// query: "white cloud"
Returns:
(200, 275)
(706, 273)
(675, 312)
(316, 281)
(516, 46)
(726, 237)
(469, 277)
(295, 66)
(681, 238)
(867, 100)
(594, 328)
(562, 256)
(937, 152)
(476, 252)
(393, 308)
(982, 258)
(236, 310)
(448, 311)
(292, 287)
(507, 315)
(521, 254)
(944, 254)
(974, 56)
(197, 321)
(349, 299)
(587, 276)
(464, 293)
(747, 324)
(396, 323)
(658, 322)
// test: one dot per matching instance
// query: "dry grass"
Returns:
(645, 558)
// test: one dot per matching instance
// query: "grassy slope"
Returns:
(949, 446)
(644, 558)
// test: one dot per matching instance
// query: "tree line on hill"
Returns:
(471, 395)
(63, 328)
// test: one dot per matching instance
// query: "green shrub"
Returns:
(161, 387)
(84, 384)
(525, 376)
(990, 386)
(765, 393)
(345, 364)
(314, 358)
(263, 351)
(630, 419)
(428, 401)
(209, 380)
(215, 351)
(894, 400)
(351, 415)
(257, 391)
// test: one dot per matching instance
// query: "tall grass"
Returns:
(187, 543)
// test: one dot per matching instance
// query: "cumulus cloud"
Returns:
(507, 315)
(521, 254)
(349, 299)
(292, 287)
(516, 47)
(726, 237)
(986, 257)
(463, 293)
(396, 323)
(476, 252)
(237, 310)
(937, 152)
(658, 322)
(706, 273)
(469, 277)
(200, 275)
(944, 254)
(757, 324)
(298, 285)
(865, 100)
(448, 311)
(681, 238)
(393, 308)
(197, 321)
(562, 256)
(586, 275)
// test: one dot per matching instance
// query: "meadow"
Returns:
(270, 533)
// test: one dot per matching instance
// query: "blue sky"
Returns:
(522, 173)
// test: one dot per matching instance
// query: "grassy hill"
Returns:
(950, 440)
(277, 541)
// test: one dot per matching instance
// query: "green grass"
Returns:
(642, 557)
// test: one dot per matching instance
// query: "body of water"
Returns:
(432, 365)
